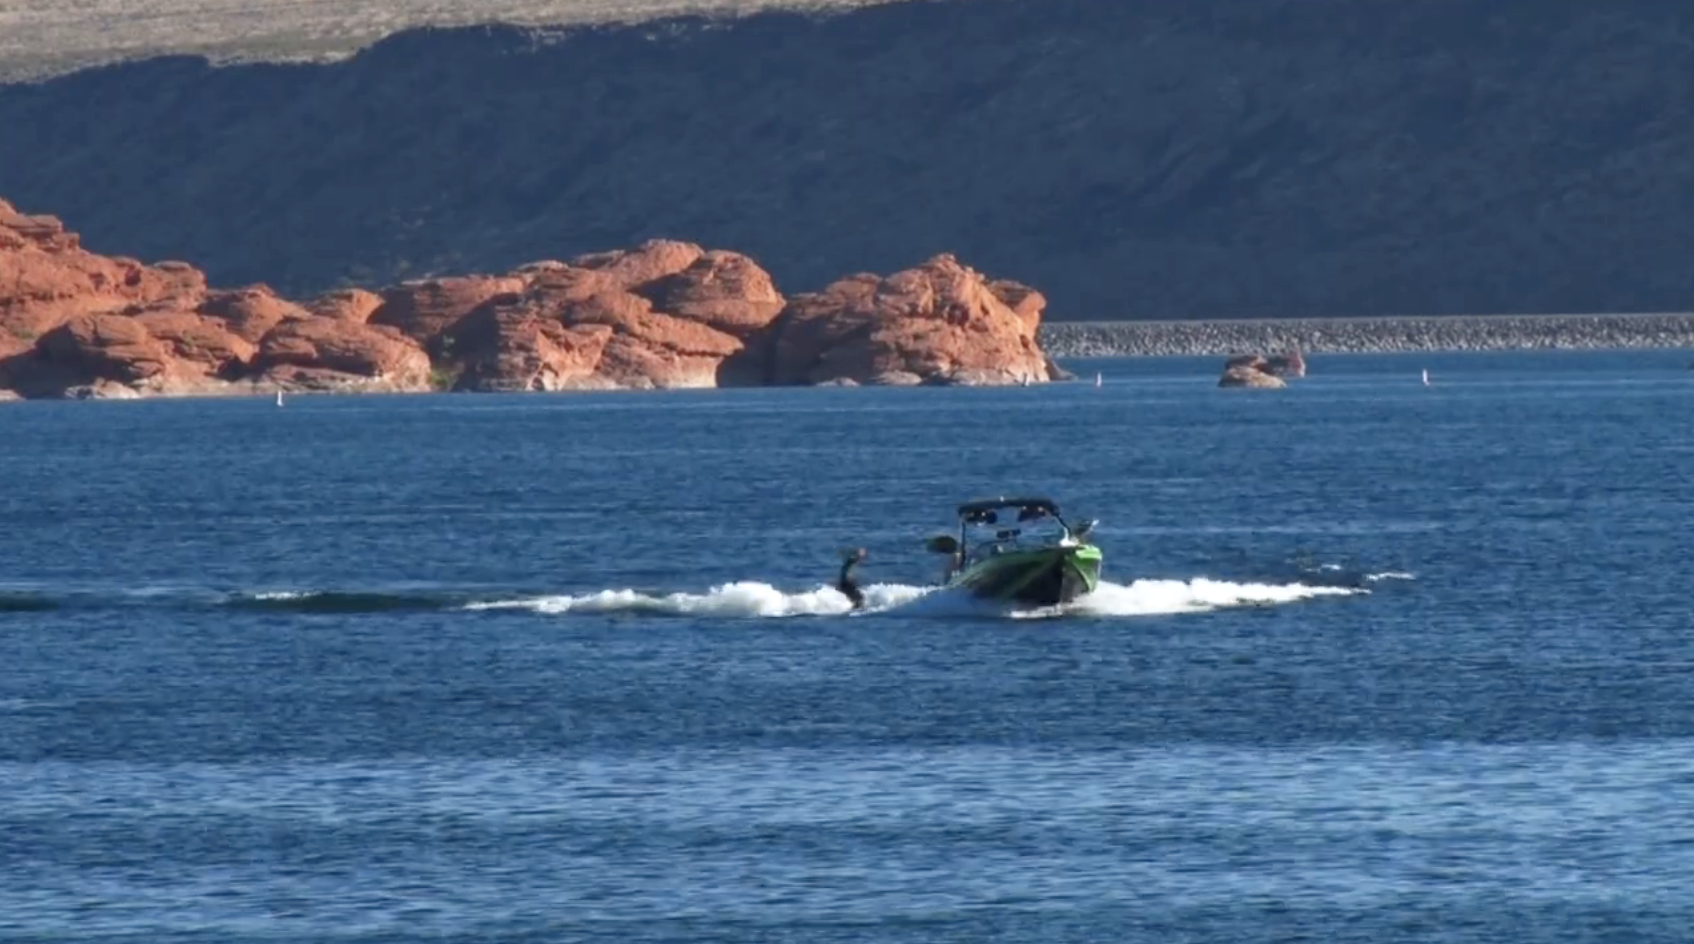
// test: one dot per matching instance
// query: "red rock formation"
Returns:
(106, 347)
(15, 340)
(517, 345)
(517, 342)
(206, 344)
(648, 262)
(46, 277)
(941, 322)
(723, 290)
(102, 355)
(74, 323)
(1025, 302)
(424, 309)
(253, 311)
(322, 354)
(649, 348)
(353, 304)
(663, 314)
(159, 353)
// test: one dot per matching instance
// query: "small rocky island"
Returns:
(665, 314)
(1259, 371)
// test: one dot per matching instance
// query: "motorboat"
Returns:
(1020, 550)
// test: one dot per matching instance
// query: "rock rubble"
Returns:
(1367, 335)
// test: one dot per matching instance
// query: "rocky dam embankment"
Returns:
(1367, 335)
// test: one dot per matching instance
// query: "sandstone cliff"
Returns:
(663, 314)
(74, 323)
(941, 322)
(1147, 159)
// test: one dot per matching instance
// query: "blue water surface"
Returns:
(1375, 662)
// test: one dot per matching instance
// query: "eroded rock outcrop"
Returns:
(662, 314)
(75, 323)
(1252, 370)
(938, 323)
(353, 304)
(516, 345)
(46, 277)
(424, 309)
(155, 353)
(725, 291)
(207, 346)
(253, 311)
(325, 354)
(78, 324)
(93, 351)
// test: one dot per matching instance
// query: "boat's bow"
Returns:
(1042, 576)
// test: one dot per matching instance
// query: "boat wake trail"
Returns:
(749, 599)
(753, 600)
(1199, 595)
(745, 599)
(331, 601)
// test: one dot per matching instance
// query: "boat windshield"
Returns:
(1007, 529)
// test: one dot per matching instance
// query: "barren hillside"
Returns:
(1154, 158)
(42, 37)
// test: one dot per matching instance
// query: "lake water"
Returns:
(1375, 662)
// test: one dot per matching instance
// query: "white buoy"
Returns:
(1426, 376)
(279, 398)
(1098, 379)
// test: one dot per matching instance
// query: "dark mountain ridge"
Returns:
(1130, 158)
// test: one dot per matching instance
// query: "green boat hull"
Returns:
(1045, 576)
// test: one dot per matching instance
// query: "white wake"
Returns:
(755, 600)
(741, 599)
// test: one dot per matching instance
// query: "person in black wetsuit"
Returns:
(845, 583)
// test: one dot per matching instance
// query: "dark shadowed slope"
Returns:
(1142, 158)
